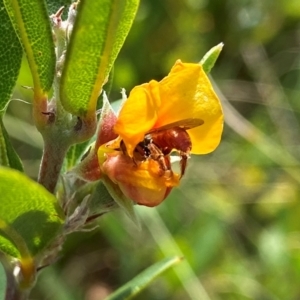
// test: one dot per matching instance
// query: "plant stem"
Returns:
(52, 160)
(13, 291)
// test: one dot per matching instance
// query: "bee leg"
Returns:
(139, 154)
(164, 165)
(167, 164)
(163, 160)
(183, 162)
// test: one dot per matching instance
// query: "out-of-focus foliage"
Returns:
(235, 218)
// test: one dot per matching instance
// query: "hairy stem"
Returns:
(13, 291)
(52, 160)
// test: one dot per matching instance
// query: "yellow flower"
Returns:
(186, 93)
(142, 169)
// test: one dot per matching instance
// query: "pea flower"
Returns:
(181, 113)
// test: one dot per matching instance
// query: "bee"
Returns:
(160, 142)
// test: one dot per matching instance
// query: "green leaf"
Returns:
(210, 58)
(29, 215)
(137, 284)
(31, 22)
(54, 5)
(8, 155)
(125, 203)
(98, 35)
(101, 200)
(10, 57)
(74, 154)
(3, 282)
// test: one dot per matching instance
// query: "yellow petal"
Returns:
(187, 93)
(137, 116)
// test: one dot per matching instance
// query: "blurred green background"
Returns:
(235, 217)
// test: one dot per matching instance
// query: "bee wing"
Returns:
(184, 124)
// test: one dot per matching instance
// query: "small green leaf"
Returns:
(101, 200)
(137, 284)
(10, 57)
(125, 203)
(98, 35)
(210, 58)
(3, 282)
(74, 153)
(8, 155)
(29, 215)
(31, 22)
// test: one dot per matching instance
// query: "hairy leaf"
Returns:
(54, 5)
(29, 215)
(10, 57)
(31, 22)
(98, 35)
(8, 155)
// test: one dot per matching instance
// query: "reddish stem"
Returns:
(52, 160)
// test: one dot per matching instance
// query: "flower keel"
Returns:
(143, 182)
